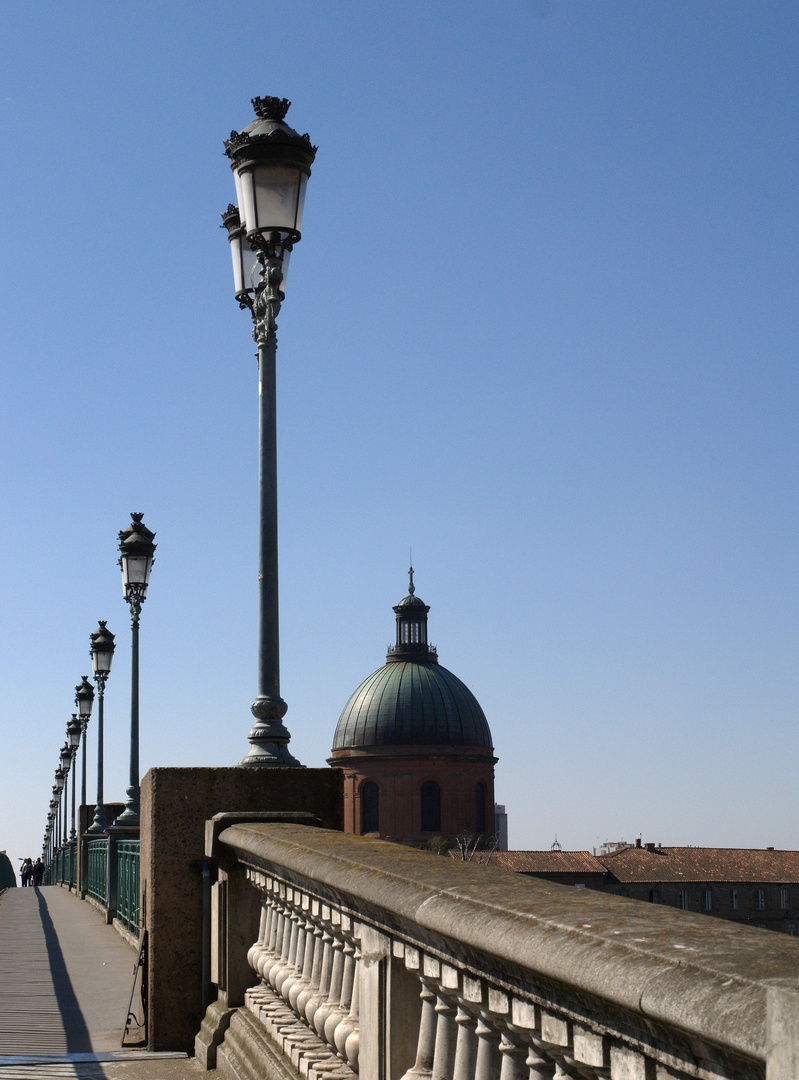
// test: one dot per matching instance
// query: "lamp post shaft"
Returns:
(130, 815)
(73, 770)
(83, 764)
(99, 822)
(269, 737)
(269, 617)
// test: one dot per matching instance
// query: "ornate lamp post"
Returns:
(66, 761)
(102, 653)
(84, 699)
(74, 729)
(136, 558)
(271, 164)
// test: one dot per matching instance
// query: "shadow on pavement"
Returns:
(75, 1029)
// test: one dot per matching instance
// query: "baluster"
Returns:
(353, 1042)
(282, 944)
(266, 952)
(488, 1060)
(271, 953)
(514, 1058)
(425, 1048)
(466, 1046)
(330, 1009)
(255, 950)
(446, 1036)
(349, 1000)
(295, 969)
(345, 997)
(288, 968)
(539, 1067)
(320, 979)
(305, 966)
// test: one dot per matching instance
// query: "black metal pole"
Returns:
(85, 726)
(269, 737)
(73, 770)
(130, 815)
(98, 825)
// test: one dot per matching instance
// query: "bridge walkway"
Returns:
(65, 984)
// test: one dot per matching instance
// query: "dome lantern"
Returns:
(411, 641)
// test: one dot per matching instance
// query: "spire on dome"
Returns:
(411, 587)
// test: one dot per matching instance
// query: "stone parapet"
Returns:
(466, 971)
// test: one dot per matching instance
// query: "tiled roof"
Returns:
(540, 862)
(702, 864)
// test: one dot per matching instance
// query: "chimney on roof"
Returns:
(638, 841)
(650, 847)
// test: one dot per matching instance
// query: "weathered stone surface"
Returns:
(666, 968)
(175, 805)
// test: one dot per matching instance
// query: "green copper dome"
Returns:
(406, 703)
(412, 700)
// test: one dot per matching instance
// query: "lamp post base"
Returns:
(99, 823)
(130, 815)
(269, 738)
(267, 752)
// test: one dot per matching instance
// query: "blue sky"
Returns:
(541, 327)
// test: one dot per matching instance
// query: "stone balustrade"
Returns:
(367, 957)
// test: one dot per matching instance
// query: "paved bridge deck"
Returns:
(65, 984)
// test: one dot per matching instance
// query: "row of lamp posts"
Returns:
(271, 164)
(136, 557)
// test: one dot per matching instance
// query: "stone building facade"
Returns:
(759, 887)
(755, 886)
(414, 745)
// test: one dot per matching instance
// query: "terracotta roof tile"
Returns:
(702, 864)
(540, 862)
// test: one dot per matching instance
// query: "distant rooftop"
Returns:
(656, 864)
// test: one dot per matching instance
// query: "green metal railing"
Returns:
(71, 866)
(128, 884)
(97, 877)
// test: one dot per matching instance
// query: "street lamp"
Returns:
(74, 729)
(136, 551)
(271, 164)
(102, 653)
(84, 699)
(66, 760)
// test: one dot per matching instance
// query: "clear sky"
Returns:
(541, 328)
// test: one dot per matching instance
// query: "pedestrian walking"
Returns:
(38, 871)
(26, 872)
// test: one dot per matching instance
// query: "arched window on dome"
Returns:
(370, 808)
(431, 807)
(480, 808)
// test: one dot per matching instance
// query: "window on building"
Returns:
(654, 896)
(761, 900)
(733, 899)
(431, 807)
(707, 900)
(480, 807)
(784, 899)
(370, 808)
(684, 899)
(792, 929)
